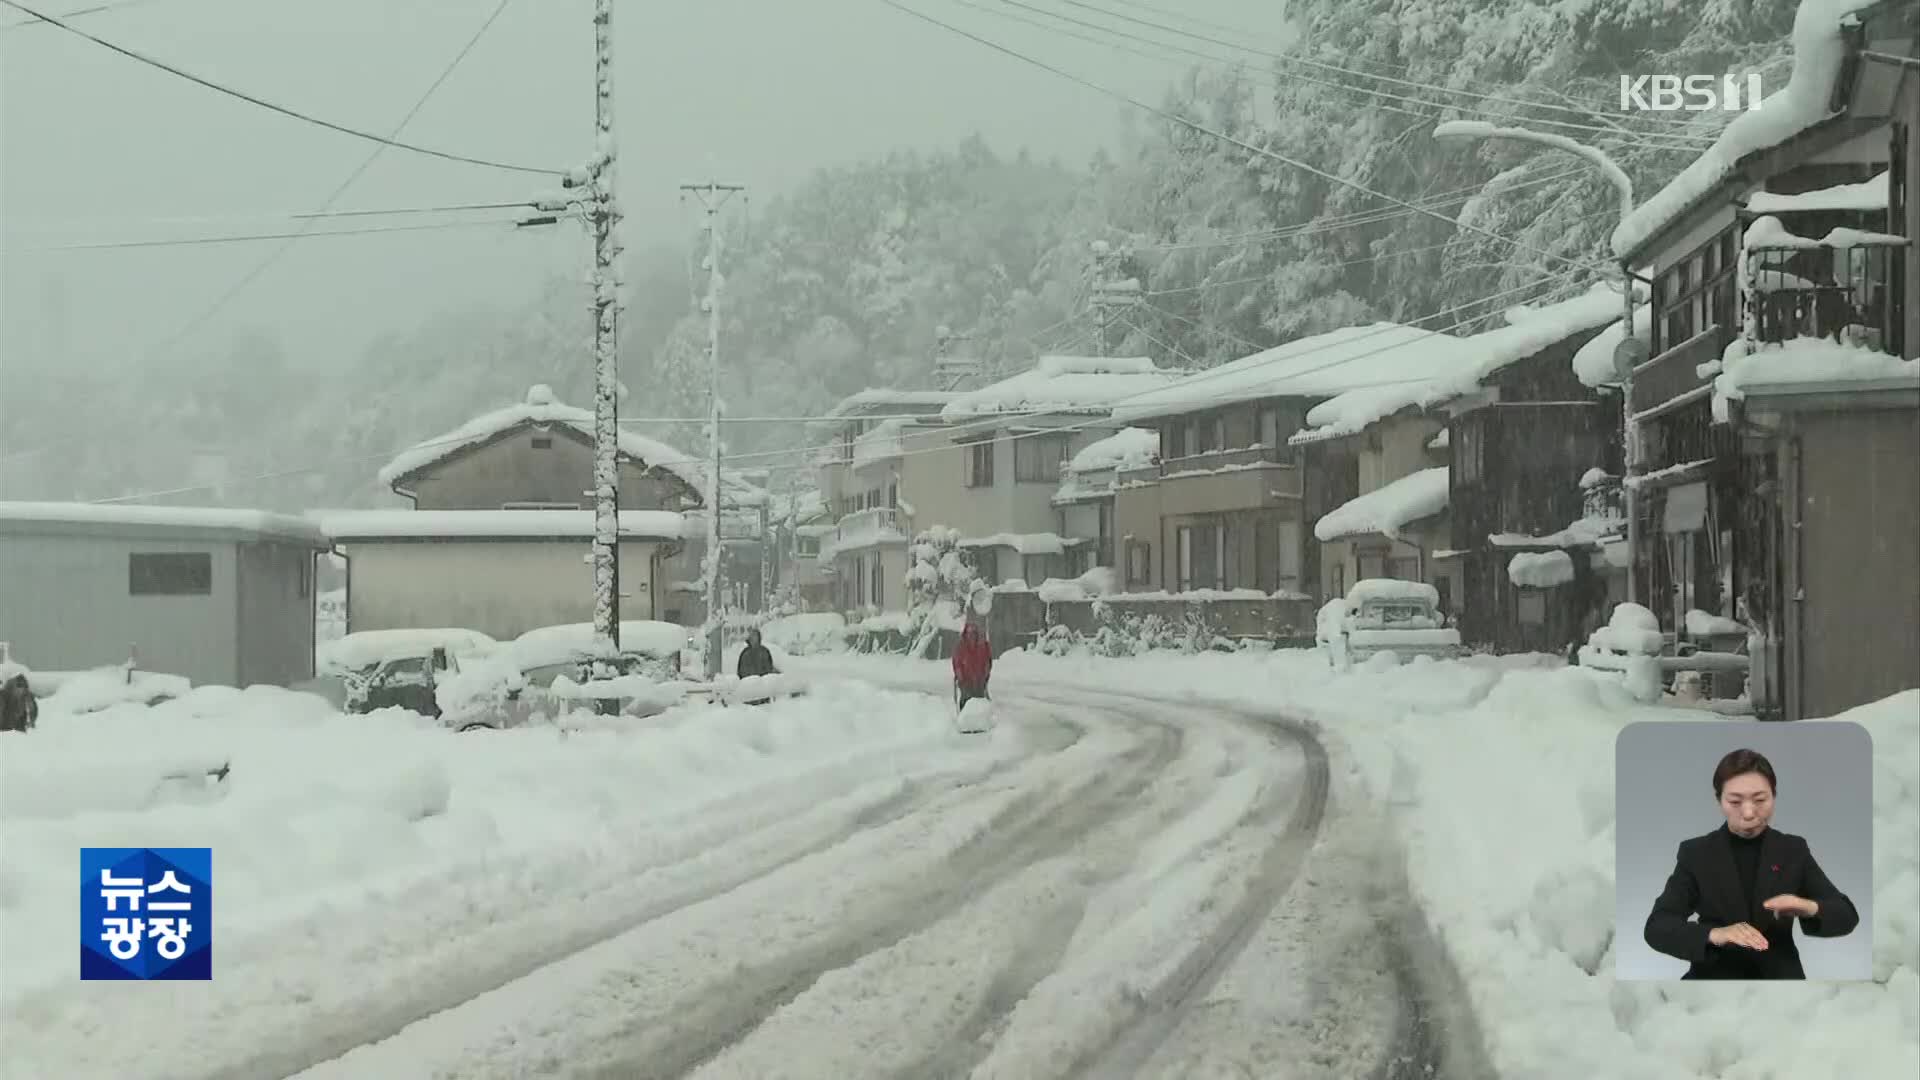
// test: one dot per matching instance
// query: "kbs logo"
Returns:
(1688, 93)
(146, 913)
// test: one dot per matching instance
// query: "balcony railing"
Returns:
(1215, 460)
(1674, 373)
(873, 523)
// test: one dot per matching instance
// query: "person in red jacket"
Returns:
(972, 664)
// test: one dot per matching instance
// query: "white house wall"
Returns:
(502, 588)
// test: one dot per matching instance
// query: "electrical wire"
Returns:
(219, 304)
(281, 109)
(194, 241)
(96, 9)
(1222, 136)
(1687, 143)
(1295, 59)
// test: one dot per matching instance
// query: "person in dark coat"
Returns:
(755, 659)
(972, 664)
(1748, 883)
(18, 709)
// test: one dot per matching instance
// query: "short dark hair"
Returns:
(1741, 762)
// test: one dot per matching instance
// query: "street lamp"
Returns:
(1629, 354)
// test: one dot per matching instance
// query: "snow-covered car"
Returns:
(655, 664)
(1385, 615)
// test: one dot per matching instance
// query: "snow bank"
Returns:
(1388, 509)
(493, 524)
(1063, 384)
(102, 688)
(1318, 366)
(1128, 448)
(161, 520)
(1817, 54)
(366, 648)
(1525, 910)
(807, 633)
(1541, 569)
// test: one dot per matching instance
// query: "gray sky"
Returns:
(95, 147)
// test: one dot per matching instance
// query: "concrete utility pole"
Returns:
(605, 213)
(712, 197)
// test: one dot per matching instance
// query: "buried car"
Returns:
(1385, 615)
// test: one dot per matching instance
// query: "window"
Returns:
(1175, 437)
(979, 464)
(1270, 428)
(1103, 554)
(1183, 558)
(1139, 562)
(893, 495)
(1276, 555)
(543, 442)
(1201, 558)
(1339, 580)
(1037, 458)
(878, 575)
(1533, 607)
(184, 573)
(1405, 568)
(986, 564)
(1206, 431)
(806, 545)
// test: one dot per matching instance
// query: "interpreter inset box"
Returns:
(1743, 850)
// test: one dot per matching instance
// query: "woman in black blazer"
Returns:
(1747, 882)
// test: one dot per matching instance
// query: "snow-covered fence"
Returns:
(1127, 625)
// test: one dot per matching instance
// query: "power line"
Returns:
(253, 274)
(96, 9)
(281, 109)
(1222, 136)
(1294, 59)
(194, 241)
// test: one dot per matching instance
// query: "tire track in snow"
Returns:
(1037, 830)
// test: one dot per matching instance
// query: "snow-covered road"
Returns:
(1104, 886)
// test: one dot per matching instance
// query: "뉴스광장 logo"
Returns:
(1688, 93)
(146, 913)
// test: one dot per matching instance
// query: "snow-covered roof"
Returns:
(1460, 369)
(1866, 195)
(542, 408)
(160, 520)
(490, 524)
(1318, 366)
(1818, 50)
(910, 400)
(879, 443)
(1063, 384)
(1128, 448)
(1024, 543)
(1593, 362)
(1803, 363)
(1386, 510)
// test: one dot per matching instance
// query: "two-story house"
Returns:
(1234, 502)
(799, 521)
(885, 453)
(1089, 485)
(1774, 403)
(1014, 436)
(537, 456)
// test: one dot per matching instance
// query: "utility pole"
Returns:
(1109, 296)
(712, 197)
(588, 194)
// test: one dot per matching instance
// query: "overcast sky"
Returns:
(96, 147)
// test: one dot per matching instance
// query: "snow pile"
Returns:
(541, 408)
(1801, 362)
(1867, 195)
(1063, 384)
(1706, 624)
(1388, 509)
(1024, 543)
(574, 642)
(1540, 570)
(807, 633)
(478, 692)
(1477, 358)
(1128, 448)
(103, 688)
(1818, 50)
(1593, 362)
(368, 865)
(1097, 582)
(366, 648)
(1629, 645)
(1318, 366)
(494, 524)
(976, 716)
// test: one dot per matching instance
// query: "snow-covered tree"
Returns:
(939, 584)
